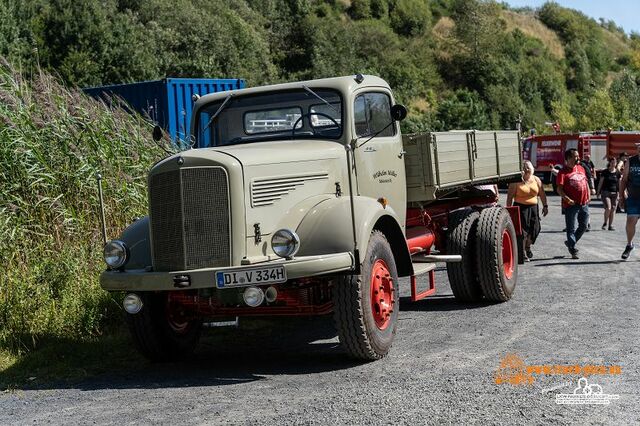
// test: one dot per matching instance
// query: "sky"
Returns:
(625, 13)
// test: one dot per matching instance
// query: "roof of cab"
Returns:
(345, 84)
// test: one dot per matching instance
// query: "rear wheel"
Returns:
(496, 254)
(461, 239)
(366, 305)
(159, 334)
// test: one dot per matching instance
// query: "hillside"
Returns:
(441, 56)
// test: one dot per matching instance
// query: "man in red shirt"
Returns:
(573, 187)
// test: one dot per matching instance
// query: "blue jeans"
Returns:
(571, 213)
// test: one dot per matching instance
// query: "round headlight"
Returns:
(285, 243)
(132, 303)
(115, 254)
(253, 296)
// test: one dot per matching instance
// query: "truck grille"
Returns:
(189, 215)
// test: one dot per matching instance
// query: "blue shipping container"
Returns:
(167, 102)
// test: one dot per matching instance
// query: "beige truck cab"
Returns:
(305, 199)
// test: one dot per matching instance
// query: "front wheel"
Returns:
(158, 333)
(366, 305)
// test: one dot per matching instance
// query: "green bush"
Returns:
(53, 141)
(360, 9)
(463, 110)
(410, 17)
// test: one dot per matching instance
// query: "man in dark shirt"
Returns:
(630, 191)
(573, 187)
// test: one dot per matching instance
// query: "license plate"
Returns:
(253, 276)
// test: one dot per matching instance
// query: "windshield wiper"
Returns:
(216, 114)
(322, 99)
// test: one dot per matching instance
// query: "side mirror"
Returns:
(398, 112)
(157, 133)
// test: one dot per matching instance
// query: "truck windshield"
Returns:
(292, 114)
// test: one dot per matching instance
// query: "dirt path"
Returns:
(441, 369)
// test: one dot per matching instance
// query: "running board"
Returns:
(423, 268)
(419, 270)
(432, 258)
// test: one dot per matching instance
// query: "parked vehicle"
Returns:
(622, 141)
(548, 150)
(321, 212)
(168, 102)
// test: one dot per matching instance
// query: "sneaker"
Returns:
(612, 228)
(604, 227)
(527, 258)
(588, 228)
(572, 251)
(529, 254)
(627, 251)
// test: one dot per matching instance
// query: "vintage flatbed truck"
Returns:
(305, 199)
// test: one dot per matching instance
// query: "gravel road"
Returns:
(441, 370)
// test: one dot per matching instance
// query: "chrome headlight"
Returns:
(115, 254)
(285, 243)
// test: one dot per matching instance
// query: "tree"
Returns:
(360, 9)
(625, 96)
(409, 17)
(561, 113)
(462, 110)
(599, 112)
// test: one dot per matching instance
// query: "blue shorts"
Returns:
(632, 206)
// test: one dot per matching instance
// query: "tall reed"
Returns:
(53, 141)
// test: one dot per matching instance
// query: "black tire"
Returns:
(461, 239)
(355, 317)
(497, 277)
(156, 336)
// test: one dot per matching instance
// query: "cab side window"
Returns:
(372, 114)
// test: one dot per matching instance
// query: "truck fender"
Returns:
(327, 228)
(136, 237)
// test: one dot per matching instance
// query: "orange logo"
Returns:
(513, 370)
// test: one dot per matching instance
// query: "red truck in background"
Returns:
(548, 150)
(619, 142)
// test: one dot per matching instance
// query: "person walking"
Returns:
(608, 191)
(525, 195)
(574, 189)
(630, 193)
(623, 158)
(590, 171)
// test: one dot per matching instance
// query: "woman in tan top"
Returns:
(525, 195)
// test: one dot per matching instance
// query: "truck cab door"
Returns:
(380, 161)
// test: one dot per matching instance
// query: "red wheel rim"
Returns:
(507, 254)
(382, 299)
(178, 325)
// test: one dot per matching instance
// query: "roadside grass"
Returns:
(53, 141)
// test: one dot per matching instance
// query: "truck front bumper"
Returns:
(300, 267)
